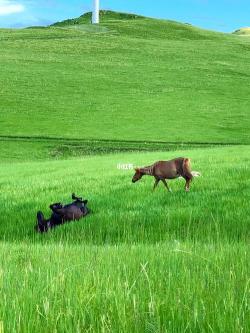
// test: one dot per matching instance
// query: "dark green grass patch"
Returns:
(20, 149)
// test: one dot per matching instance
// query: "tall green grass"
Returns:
(141, 261)
(169, 287)
(216, 208)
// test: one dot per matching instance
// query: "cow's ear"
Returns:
(136, 169)
(85, 202)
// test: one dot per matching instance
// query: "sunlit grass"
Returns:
(142, 261)
(169, 287)
(157, 80)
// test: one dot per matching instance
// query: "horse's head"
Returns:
(137, 176)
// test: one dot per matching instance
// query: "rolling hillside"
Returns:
(131, 78)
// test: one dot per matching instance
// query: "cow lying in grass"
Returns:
(61, 214)
(162, 170)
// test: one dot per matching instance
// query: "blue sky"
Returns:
(220, 15)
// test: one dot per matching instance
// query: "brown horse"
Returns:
(162, 170)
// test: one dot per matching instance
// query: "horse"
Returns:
(61, 214)
(162, 170)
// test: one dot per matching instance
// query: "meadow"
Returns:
(126, 212)
(142, 261)
(76, 101)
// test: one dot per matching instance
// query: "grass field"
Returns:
(126, 212)
(77, 100)
(159, 80)
(157, 288)
(142, 261)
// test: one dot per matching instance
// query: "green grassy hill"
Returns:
(133, 79)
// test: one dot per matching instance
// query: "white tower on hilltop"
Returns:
(95, 13)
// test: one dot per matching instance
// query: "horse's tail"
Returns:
(195, 173)
(186, 165)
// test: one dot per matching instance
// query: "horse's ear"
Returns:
(136, 169)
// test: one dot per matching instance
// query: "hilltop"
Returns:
(105, 16)
(156, 80)
(242, 31)
(137, 26)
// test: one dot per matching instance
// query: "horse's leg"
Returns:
(166, 184)
(156, 183)
(42, 224)
(187, 185)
